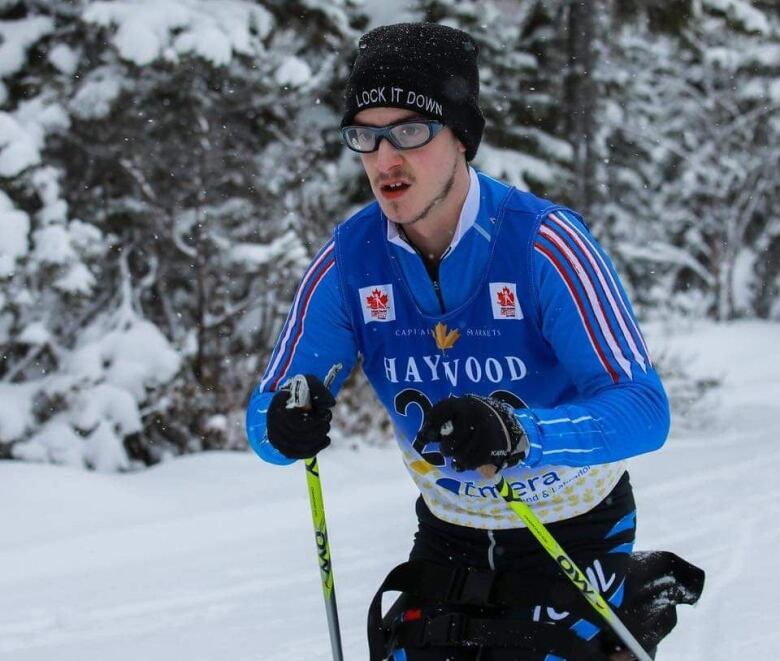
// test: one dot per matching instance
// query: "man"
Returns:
(494, 330)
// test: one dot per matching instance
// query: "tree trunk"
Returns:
(580, 95)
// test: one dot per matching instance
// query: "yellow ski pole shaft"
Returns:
(323, 551)
(299, 398)
(575, 574)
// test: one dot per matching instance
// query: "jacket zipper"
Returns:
(433, 272)
(437, 289)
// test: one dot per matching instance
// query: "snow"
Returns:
(96, 96)
(149, 29)
(64, 59)
(47, 184)
(55, 442)
(293, 71)
(35, 333)
(77, 280)
(16, 37)
(14, 227)
(107, 402)
(288, 246)
(105, 451)
(744, 279)
(54, 213)
(763, 55)
(741, 12)
(52, 245)
(18, 149)
(512, 166)
(16, 400)
(132, 357)
(88, 435)
(46, 181)
(93, 401)
(41, 114)
(661, 252)
(558, 149)
(217, 423)
(211, 556)
(208, 42)
(22, 134)
(143, 28)
(381, 12)
(84, 235)
(767, 55)
(727, 58)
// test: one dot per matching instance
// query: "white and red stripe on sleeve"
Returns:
(294, 326)
(597, 297)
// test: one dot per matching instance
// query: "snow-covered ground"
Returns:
(211, 557)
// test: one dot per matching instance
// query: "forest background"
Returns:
(168, 168)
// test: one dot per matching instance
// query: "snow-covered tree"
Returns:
(520, 89)
(169, 168)
(692, 128)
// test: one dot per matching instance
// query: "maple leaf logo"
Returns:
(506, 299)
(377, 303)
(377, 300)
(444, 339)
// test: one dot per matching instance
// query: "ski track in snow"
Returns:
(211, 557)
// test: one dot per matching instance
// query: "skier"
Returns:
(496, 332)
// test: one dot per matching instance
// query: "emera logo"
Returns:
(503, 299)
(377, 303)
(444, 339)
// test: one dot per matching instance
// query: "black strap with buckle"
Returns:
(649, 608)
(458, 629)
(454, 586)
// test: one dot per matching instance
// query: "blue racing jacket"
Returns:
(527, 308)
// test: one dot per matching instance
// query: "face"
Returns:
(412, 185)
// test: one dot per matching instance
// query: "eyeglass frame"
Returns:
(384, 132)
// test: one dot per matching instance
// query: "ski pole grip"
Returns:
(299, 392)
(299, 388)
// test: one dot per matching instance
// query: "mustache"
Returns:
(383, 178)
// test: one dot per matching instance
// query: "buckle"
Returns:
(445, 629)
(470, 586)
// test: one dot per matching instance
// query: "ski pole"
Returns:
(571, 570)
(299, 398)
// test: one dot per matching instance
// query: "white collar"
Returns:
(468, 216)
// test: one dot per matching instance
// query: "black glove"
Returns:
(476, 431)
(300, 433)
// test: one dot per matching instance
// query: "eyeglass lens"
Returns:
(401, 136)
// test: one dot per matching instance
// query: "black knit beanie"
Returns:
(426, 67)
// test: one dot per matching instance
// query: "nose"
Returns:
(387, 156)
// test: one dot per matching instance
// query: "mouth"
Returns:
(394, 190)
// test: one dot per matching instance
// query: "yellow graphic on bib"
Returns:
(445, 339)
(421, 467)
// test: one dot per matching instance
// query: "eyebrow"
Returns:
(413, 117)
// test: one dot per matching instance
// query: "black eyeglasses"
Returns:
(404, 135)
